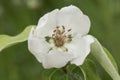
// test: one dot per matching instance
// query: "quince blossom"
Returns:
(61, 38)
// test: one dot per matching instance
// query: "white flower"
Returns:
(61, 37)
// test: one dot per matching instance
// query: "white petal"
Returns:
(37, 46)
(72, 17)
(47, 24)
(80, 47)
(56, 59)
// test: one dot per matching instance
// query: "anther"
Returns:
(53, 35)
(54, 31)
(63, 27)
(69, 30)
(58, 27)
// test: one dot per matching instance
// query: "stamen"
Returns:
(60, 36)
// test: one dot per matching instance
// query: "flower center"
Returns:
(61, 36)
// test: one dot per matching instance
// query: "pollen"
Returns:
(60, 36)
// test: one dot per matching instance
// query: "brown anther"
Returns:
(54, 31)
(69, 30)
(63, 27)
(53, 35)
(58, 27)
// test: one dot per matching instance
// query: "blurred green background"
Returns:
(17, 63)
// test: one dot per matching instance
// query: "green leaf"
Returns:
(47, 73)
(104, 58)
(90, 71)
(7, 41)
(77, 74)
(73, 73)
(59, 75)
(53, 74)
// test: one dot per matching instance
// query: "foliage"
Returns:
(16, 63)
